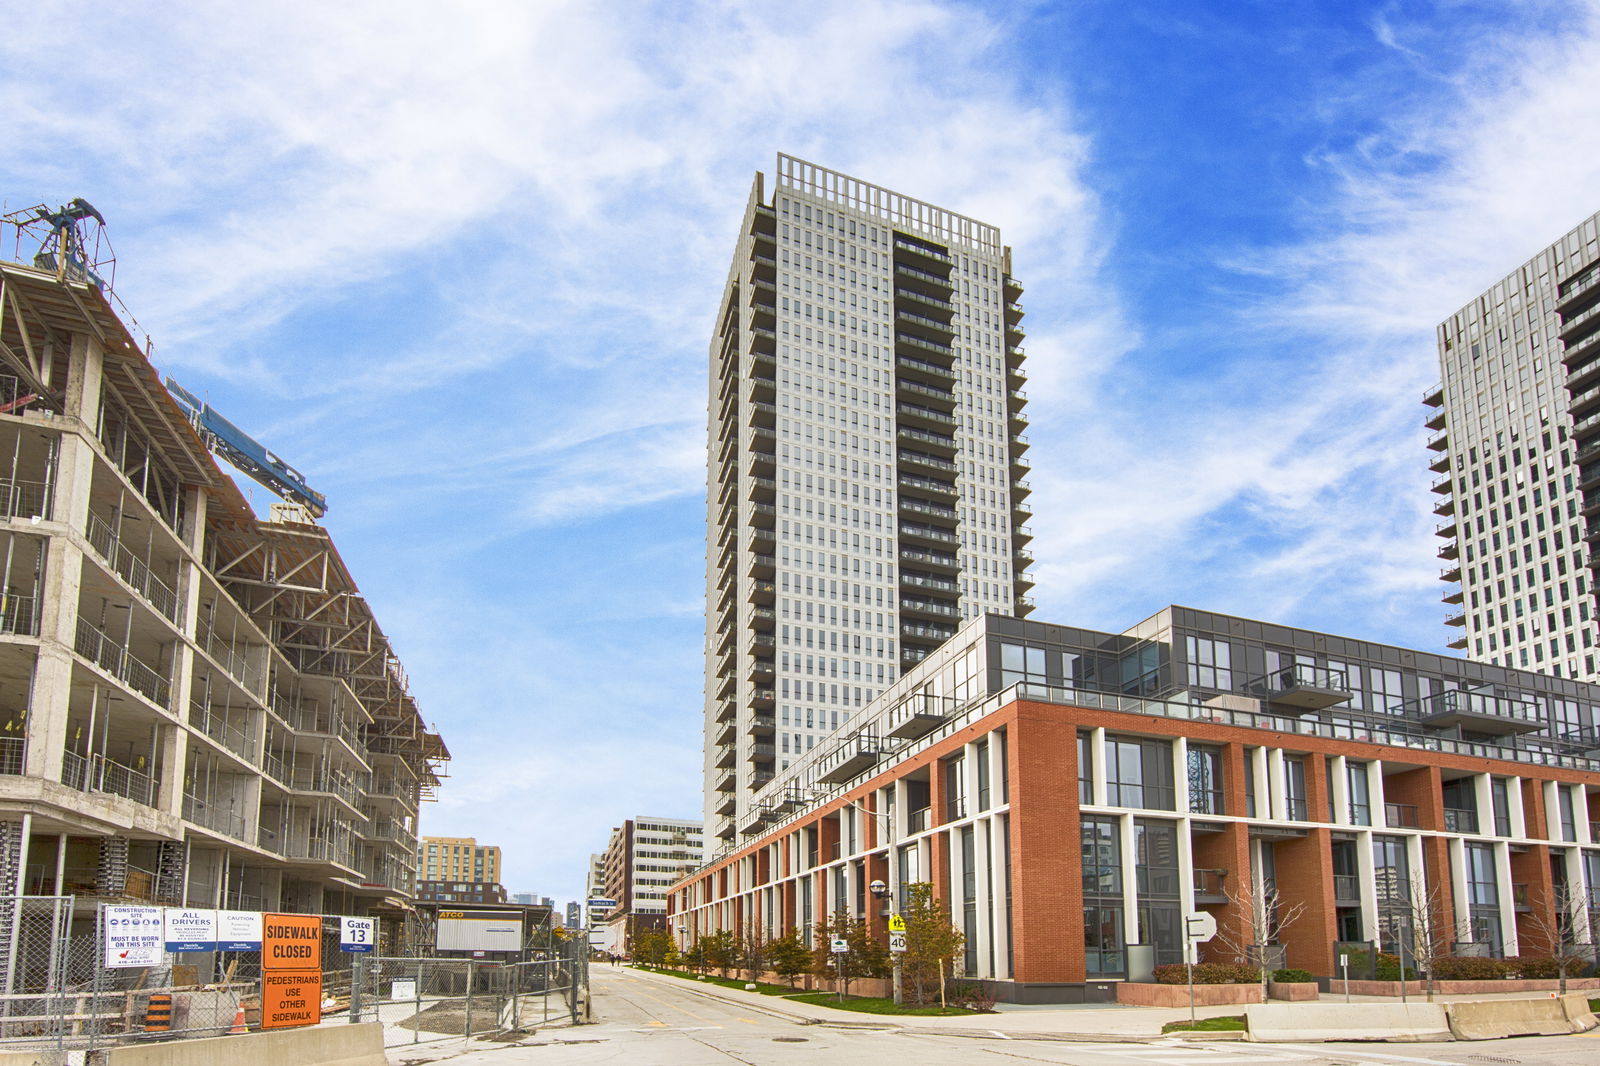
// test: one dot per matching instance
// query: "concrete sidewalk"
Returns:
(1089, 1023)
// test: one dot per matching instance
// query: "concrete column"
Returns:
(1097, 754)
(1180, 775)
(1507, 902)
(1519, 822)
(1339, 784)
(1130, 881)
(1367, 873)
(1456, 885)
(982, 832)
(1277, 786)
(997, 863)
(63, 577)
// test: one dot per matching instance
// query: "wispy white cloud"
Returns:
(1290, 480)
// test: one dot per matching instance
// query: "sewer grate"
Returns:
(1498, 1060)
(789, 1039)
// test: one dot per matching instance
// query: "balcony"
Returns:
(928, 581)
(1346, 890)
(1442, 485)
(935, 373)
(854, 756)
(920, 344)
(762, 725)
(1434, 397)
(928, 533)
(1483, 711)
(1400, 816)
(911, 457)
(930, 302)
(924, 439)
(928, 392)
(933, 608)
(1448, 550)
(917, 413)
(918, 715)
(916, 631)
(937, 511)
(931, 486)
(927, 251)
(1301, 687)
(1436, 420)
(1458, 820)
(1210, 886)
(1439, 441)
(1457, 619)
(930, 558)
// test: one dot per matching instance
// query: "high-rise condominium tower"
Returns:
(864, 489)
(1510, 441)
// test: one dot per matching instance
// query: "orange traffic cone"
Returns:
(238, 1022)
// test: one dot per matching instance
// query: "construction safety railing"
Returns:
(215, 723)
(24, 499)
(130, 567)
(233, 661)
(97, 773)
(121, 664)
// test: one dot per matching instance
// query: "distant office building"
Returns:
(574, 915)
(865, 482)
(458, 859)
(1515, 418)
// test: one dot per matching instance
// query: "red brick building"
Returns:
(1072, 795)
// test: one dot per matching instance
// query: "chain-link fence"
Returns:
(59, 990)
(421, 999)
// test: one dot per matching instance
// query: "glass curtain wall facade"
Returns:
(866, 458)
(1518, 404)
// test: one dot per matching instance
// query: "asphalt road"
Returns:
(640, 1022)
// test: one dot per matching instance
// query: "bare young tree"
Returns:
(1565, 932)
(1271, 916)
(1411, 915)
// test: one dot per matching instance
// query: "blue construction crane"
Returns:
(246, 453)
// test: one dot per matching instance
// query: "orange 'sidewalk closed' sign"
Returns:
(291, 942)
(291, 999)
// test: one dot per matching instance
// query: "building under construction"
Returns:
(199, 707)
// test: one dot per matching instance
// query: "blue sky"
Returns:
(462, 273)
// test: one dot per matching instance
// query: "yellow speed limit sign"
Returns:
(897, 924)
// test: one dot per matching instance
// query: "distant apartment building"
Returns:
(1515, 421)
(643, 858)
(865, 480)
(466, 892)
(458, 859)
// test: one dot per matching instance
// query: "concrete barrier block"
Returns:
(321, 1045)
(33, 1058)
(1495, 1019)
(1315, 1022)
(1575, 1005)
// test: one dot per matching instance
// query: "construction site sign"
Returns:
(291, 998)
(291, 942)
(133, 936)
